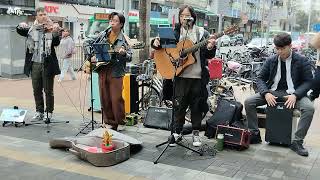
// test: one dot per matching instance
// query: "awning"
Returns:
(208, 13)
(152, 20)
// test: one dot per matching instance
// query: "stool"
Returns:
(281, 124)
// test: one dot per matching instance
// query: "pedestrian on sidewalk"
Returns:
(41, 60)
(67, 49)
(316, 80)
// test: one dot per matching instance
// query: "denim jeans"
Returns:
(67, 68)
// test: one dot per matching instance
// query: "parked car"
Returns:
(236, 40)
(225, 40)
(259, 43)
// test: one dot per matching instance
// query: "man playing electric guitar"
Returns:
(190, 84)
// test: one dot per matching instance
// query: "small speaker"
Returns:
(279, 126)
(158, 117)
(233, 136)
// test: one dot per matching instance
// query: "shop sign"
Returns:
(51, 9)
(15, 11)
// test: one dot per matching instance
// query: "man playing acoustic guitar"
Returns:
(190, 84)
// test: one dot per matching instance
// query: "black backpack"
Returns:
(227, 113)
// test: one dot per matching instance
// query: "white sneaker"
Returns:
(176, 136)
(196, 138)
(121, 127)
(48, 115)
(38, 116)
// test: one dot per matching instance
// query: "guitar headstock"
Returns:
(231, 30)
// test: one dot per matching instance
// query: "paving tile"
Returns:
(240, 175)
(200, 164)
(215, 170)
(314, 172)
(255, 177)
(277, 174)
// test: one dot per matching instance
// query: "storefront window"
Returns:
(99, 3)
(23, 3)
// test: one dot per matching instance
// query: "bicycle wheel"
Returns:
(148, 95)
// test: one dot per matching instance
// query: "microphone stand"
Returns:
(92, 122)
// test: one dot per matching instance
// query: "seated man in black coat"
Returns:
(288, 74)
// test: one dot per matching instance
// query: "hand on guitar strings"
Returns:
(211, 42)
(122, 50)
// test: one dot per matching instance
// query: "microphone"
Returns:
(188, 19)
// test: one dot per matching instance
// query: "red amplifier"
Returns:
(215, 68)
(237, 137)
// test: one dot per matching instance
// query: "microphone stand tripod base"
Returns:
(171, 140)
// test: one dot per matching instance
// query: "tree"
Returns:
(144, 28)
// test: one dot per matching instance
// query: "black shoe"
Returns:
(255, 138)
(298, 148)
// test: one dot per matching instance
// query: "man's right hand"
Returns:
(271, 99)
(23, 25)
(156, 42)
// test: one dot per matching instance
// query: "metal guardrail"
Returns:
(77, 58)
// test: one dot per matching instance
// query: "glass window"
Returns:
(99, 3)
(24, 3)
(135, 4)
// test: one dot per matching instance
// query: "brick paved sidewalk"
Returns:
(258, 162)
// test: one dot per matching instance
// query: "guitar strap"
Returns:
(198, 40)
(198, 34)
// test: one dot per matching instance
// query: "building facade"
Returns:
(13, 50)
(14, 12)
(75, 14)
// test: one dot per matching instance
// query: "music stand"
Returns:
(101, 52)
(168, 40)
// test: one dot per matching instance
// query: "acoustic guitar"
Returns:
(165, 58)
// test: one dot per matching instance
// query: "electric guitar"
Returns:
(182, 54)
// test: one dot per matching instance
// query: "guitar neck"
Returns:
(201, 44)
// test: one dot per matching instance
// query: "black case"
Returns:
(158, 117)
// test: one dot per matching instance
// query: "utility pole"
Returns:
(309, 16)
(125, 10)
(144, 28)
(269, 21)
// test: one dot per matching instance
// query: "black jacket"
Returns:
(300, 72)
(205, 54)
(50, 62)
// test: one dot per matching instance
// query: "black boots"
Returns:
(297, 147)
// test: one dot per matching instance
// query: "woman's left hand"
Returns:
(122, 50)
(211, 44)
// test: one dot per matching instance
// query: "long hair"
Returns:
(192, 12)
